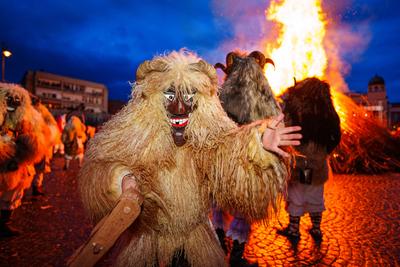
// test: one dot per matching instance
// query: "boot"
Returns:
(316, 234)
(37, 191)
(221, 237)
(292, 230)
(6, 230)
(293, 237)
(315, 231)
(236, 259)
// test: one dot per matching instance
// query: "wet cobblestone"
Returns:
(52, 226)
(361, 226)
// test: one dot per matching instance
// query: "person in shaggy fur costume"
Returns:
(309, 104)
(176, 146)
(21, 146)
(61, 122)
(74, 138)
(246, 96)
(53, 135)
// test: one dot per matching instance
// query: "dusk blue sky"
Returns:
(105, 41)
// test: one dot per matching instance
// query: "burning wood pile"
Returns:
(366, 146)
(302, 49)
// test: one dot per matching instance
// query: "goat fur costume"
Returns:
(23, 138)
(246, 95)
(309, 104)
(219, 162)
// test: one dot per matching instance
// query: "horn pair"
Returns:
(261, 59)
(257, 55)
(229, 62)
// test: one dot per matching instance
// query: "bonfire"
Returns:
(303, 49)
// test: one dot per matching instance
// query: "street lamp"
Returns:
(4, 53)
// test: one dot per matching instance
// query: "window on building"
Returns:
(49, 83)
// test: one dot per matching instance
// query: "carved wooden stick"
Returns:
(108, 230)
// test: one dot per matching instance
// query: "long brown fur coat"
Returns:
(246, 95)
(309, 105)
(219, 162)
(23, 140)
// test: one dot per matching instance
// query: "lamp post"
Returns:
(4, 53)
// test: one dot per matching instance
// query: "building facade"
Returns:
(394, 116)
(61, 93)
(376, 101)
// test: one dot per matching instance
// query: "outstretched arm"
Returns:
(247, 172)
(276, 135)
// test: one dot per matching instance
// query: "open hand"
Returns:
(276, 135)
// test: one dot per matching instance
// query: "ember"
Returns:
(303, 49)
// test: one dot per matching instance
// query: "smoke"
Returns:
(243, 22)
(346, 39)
(247, 29)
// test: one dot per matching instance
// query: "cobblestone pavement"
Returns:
(360, 226)
(53, 226)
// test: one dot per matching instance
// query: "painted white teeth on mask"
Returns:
(10, 109)
(178, 121)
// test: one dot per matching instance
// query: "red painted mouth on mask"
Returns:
(179, 121)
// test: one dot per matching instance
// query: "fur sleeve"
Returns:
(244, 177)
(100, 186)
(7, 150)
(26, 149)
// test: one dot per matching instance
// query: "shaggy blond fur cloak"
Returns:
(219, 162)
(74, 130)
(54, 136)
(22, 139)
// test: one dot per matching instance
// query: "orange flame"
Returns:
(299, 50)
(305, 48)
